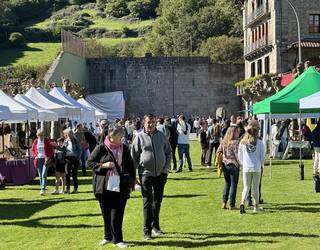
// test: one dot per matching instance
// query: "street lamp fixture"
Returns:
(298, 26)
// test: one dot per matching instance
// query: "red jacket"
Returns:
(48, 150)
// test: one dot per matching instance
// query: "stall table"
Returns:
(305, 146)
(18, 171)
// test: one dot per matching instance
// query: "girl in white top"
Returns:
(251, 155)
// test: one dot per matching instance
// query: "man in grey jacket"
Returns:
(151, 153)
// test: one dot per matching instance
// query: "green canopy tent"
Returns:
(286, 101)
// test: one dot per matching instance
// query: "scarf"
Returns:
(116, 149)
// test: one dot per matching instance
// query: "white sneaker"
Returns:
(120, 245)
(61, 192)
(42, 192)
(104, 242)
(257, 209)
(55, 192)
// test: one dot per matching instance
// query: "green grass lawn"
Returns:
(190, 214)
(35, 54)
(115, 41)
(117, 25)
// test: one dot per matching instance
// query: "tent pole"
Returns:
(3, 137)
(301, 166)
(270, 146)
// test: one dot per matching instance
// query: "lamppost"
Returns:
(298, 26)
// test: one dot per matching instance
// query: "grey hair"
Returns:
(115, 129)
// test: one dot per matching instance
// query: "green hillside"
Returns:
(30, 30)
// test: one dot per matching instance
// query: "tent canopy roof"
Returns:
(43, 115)
(86, 113)
(48, 102)
(287, 100)
(18, 111)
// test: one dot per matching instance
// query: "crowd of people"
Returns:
(147, 147)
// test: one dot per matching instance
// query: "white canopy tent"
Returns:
(87, 115)
(43, 115)
(48, 102)
(5, 113)
(112, 103)
(310, 102)
(18, 111)
(99, 114)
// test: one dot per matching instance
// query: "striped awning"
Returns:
(305, 44)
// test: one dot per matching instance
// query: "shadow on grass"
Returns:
(204, 236)
(12, 209)
(295, 207)
(192, 179)
(183, 195)
(37, 222)
(190, 244)
(11, 55)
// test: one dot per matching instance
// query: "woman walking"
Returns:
(42, 151)
(73, 154)
(251, 156)
(229, 149)
(113, 179)
(204, 142)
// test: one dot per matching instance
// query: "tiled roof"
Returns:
(305, 44)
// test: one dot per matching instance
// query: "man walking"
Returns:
(183, 129)
(151, 153)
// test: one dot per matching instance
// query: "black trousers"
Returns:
(174, 159)
(72, 170)
(112, 206)
(215, 146)
(152, 193)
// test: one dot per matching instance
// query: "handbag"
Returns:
(113, 182)
(126, 181)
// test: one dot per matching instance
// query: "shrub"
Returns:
(17, 39)
(117, 8)
(126, 32)
(143, 9)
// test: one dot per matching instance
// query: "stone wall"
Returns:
(166, 86)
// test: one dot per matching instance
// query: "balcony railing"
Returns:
(257, 13)
(260, 44)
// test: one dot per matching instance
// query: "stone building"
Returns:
(270, 35)
(167, 85)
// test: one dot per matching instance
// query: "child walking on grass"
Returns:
(60, 163)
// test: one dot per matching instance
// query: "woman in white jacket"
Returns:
(251, 155)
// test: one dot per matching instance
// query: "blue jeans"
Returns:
(42, 171)
(231, 177)
(184, 149)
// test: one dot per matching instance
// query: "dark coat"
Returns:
(91, 140)
(102, 154)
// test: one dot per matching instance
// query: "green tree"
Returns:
(117, 8)
(143, 9)
(185, 24)
(222, 49)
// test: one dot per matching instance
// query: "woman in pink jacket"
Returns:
(42, 151)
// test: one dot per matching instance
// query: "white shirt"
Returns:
(196, 124)
(69, 148)
(252, 159)
(40, 149)
(209, 121)
(182, 137)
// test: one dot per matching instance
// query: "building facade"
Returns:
(168, 85)
(270, 35)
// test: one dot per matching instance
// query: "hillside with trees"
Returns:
(30, 29)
